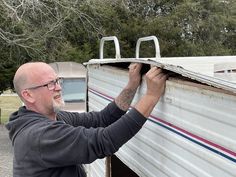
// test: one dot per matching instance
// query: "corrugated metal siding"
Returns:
(101, 83)
(191, 131)
(96, 169)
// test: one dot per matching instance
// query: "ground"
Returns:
(6, 153)
(8, 104)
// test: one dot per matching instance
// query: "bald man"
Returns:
(49, 142)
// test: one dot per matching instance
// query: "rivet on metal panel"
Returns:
(167, 99)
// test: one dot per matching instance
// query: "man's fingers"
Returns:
(162, 77)
(138, 66)
(131, 66)
(134, 66)
(153, 72)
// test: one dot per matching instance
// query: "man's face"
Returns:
(47, 92)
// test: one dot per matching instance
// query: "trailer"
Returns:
(191, 131)
(74, 85)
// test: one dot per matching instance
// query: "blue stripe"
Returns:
(197, 142)
(180, 134)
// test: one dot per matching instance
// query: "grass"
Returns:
(8, 104)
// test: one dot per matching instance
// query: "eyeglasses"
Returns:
(51, 85)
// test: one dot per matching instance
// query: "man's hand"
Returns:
(134, 75)
(155, 80)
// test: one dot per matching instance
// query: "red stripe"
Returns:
(182, 130)
(195, 136)
(102, 94)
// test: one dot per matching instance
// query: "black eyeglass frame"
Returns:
(51, 85)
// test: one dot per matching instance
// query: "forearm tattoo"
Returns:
(125, 98)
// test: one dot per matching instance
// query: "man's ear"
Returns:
(27, 95)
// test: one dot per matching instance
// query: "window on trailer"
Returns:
(74, 90)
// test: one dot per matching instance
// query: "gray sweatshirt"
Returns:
(46, 148)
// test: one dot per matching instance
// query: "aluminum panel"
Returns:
(191, 131)
(96, 169)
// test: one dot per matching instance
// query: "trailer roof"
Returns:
(200, 69)
(69, 69)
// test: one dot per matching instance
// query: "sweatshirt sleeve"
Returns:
(103, 118)
(62, 144)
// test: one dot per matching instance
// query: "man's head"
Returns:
(38, 87)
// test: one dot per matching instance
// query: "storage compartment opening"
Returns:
(144, 70)
(172, 77)
(118, 168)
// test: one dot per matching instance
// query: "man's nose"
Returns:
(58, 86)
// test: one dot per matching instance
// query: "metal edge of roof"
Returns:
(212, 81)
(76, 70)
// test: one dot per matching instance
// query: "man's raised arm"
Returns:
(126, 96)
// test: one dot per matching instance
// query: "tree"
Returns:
(190, 28)
(70, 30)
(34, 30)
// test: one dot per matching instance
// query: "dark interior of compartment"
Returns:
(119, 169)
(146, 67)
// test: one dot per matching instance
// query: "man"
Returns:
(52, 143)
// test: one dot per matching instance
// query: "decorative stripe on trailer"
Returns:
(217, 149)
